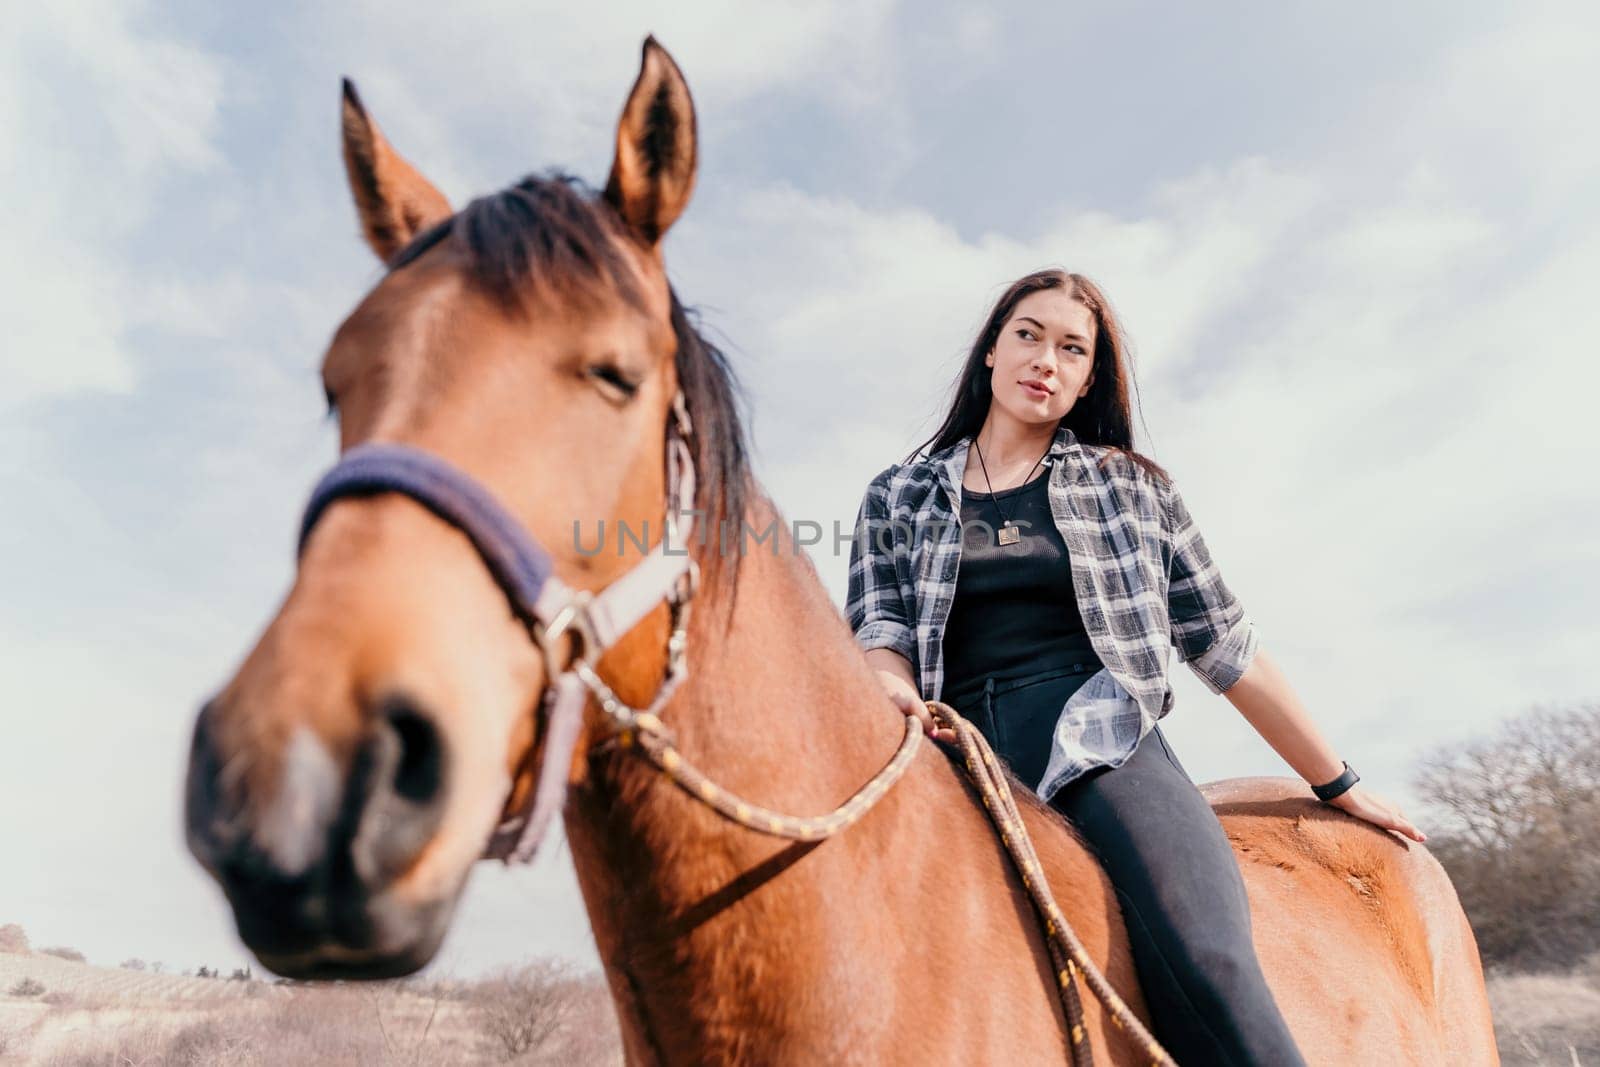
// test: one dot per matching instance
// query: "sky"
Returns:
(1354, 248)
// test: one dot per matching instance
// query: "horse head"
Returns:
(343, 782)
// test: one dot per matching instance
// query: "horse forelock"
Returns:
(551, 235)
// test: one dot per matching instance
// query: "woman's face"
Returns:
(1047, 342)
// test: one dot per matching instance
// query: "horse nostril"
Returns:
(396, 797)
(205, 821)
(419, 769)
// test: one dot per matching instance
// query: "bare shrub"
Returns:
(133, 964)
(151, 1043)
(133, 1044)
(207, 1044)
(27, 987)
(62, 952)
(13, 939)
(591, 1034)
(1518, 817)
(523, 1008)
(320, 1023)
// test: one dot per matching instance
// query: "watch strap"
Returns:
(1338, 786)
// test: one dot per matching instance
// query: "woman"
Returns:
(1029, 568)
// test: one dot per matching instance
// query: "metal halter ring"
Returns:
(688, 583)
(574, 616)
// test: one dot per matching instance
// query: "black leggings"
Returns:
(1175, 875)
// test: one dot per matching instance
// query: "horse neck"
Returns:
(781, 708)
(778, 706)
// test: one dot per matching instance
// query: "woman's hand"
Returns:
(910, 702)
(1376, 810)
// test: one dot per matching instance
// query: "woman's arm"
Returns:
(894, 673)
(1267, 701)
(888, 661)
(877, 614)
(1218, 641)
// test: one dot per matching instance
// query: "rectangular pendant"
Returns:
(1009, 535)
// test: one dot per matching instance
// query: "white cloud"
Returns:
(552, 77)
(95, 114)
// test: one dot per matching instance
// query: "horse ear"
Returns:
(394, 201)
(653, 172)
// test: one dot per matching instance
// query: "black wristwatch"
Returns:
(1338, 787)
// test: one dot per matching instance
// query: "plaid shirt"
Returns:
(1144, 580)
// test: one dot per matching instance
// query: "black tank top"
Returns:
(1015, 611)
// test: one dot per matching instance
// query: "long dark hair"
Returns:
(1102, 417)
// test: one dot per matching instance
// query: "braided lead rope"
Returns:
(645, 731)
(998, 801)
(653, 739)
(1068, 952)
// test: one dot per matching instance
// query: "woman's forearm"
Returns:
(1267, 701)
(887, 659)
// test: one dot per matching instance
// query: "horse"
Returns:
(390, 719)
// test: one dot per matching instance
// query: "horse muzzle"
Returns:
(315, 873)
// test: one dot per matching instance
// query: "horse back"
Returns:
(1359, 931)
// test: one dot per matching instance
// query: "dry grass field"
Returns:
(65, 1014)
(1543, 1019)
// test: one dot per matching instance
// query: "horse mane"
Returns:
(553, 234)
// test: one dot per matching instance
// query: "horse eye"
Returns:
(614, 377)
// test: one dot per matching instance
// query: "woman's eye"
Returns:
(614, 377)
(333, 402)
(1024, 332)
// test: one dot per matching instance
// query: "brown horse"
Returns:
(346, 779)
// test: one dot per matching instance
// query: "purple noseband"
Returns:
(519, 564)
(545, 604)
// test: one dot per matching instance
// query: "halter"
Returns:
(546, 605)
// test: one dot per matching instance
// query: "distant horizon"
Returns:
(258, 973)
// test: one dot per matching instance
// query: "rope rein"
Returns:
(655, 742)
(645, 733)
(1067, 952)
